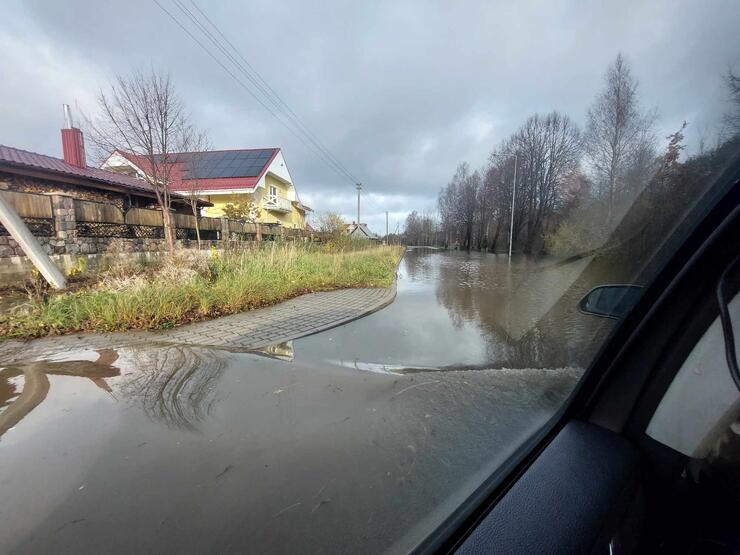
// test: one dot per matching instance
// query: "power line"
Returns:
(316, 149)
(245, 87)
(262, 86)
(295, 116)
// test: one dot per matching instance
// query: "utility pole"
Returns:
(359, 188)
(386, 227)
(513, 201)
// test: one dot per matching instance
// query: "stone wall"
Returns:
(98, 245)
(15, 269)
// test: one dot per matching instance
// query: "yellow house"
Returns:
(227, 177)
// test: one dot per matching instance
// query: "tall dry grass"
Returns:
(190, 286)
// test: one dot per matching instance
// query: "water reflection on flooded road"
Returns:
(358, 439)
(457, 309)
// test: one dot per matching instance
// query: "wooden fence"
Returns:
(98, 212)
(28, 205)
(101, 219)
(36, 210)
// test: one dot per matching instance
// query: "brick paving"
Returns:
(292, 319)
(251, 330)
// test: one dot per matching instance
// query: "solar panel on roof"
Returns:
(239, 163)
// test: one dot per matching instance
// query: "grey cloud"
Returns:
(399, 91)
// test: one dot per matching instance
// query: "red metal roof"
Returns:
(18, 158)
(180, 169)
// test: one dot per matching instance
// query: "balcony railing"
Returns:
(276, 203)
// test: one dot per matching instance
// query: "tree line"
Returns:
(573, 185)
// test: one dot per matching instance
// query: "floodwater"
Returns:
(358, 439)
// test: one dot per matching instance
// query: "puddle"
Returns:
(367, 429)
(241, 437)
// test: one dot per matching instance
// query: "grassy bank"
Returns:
(196, 286)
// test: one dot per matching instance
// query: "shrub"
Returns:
(586, 228)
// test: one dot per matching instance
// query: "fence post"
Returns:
(225, 234)
(65, 224)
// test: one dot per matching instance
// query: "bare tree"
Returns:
(194, 167)
(176, 385)
(142, 115)
(429, 228)
(616, 128)
(457, 203)
(547, 150)
(412, 229)
(486, 207)
(732, 118)
(467, 206)
(446, 206)
(497, 185)
(420, 229)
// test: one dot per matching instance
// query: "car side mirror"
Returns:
(610, 301)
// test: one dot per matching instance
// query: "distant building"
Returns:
(224, 177)
(360, 231)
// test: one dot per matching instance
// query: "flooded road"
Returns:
(357, 439)
(457, 310)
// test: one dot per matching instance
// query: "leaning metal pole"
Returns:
(19, 231)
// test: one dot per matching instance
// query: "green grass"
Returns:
(193, 287)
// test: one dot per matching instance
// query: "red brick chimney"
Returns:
(73, 144)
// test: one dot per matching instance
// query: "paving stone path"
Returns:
(292, 319)
(251, 330)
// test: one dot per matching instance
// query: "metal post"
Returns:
(513, 202)
(19, 231)
(386, 227)
(359, 188)
(67, 116)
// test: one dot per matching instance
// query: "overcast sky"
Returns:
(400, 92)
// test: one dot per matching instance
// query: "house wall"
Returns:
(277, 175)
(295, 219)
(219, 201)
(292, 219)
(117, 163)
